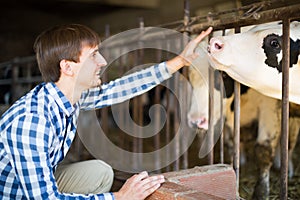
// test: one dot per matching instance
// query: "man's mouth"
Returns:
(99, 73)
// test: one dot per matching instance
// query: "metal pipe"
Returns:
(138, 107)
(221, 118)
(169, 115)
(184, 89)
(168, 124)
(265, 16)
(14, 82)
(210, 133)
(176, 125)
(141, 106)
(220, 77)
(236, 160)
(157, 121)
(158, 117)
(285, 109)
(104, 77)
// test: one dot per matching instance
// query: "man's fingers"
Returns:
(140, 186)
(151, 189)
(141, 176)
(153, 180)
(203, 34)
(150, 184)
(189, 50)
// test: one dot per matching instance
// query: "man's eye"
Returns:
(94, 54)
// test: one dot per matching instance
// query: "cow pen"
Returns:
(285, 14)
(169, 120)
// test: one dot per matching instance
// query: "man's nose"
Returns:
(101, 61)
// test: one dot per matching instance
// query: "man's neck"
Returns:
(70, 90)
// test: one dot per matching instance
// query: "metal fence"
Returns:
(23, 74)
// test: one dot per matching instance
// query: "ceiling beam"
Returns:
(123, 3)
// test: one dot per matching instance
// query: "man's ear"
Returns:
(65, 67)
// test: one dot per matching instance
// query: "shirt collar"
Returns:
(60, 98)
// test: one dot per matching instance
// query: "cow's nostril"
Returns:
(208, 49)
(218, 45)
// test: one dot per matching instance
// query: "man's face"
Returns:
(89, 66)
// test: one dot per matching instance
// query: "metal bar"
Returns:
(186, 17)
(18, 60)
(158, 117)
(221, 118)
(21, 80)
(169, 113)
(236, 159)
(104, 111)
(293, 12)
(135, 102)
(157, 121)
(210, 133)
(176, 125)
(220, 77)
(184, 89)
(122, 115)
(15, 75)
(138, 106)
(126, 110)
(285, 110)
(236, 129)
(140, 102)
(168, 123)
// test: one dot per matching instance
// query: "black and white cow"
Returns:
(254, 58)
(254, 107)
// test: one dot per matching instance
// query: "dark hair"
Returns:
(61, 42)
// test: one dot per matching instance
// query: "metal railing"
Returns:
(248, 15)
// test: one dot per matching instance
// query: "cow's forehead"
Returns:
(263, 31)
(276, 28)
(266, 26)
(277, 24)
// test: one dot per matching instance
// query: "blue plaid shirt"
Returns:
(38, 129)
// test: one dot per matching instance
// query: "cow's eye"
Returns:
(275, 44)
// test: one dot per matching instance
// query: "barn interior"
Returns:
(22, 21)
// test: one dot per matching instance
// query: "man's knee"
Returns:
(92, 176)
(105, 176)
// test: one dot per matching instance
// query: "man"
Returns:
(38, 129)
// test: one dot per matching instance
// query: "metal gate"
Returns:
(173, 95)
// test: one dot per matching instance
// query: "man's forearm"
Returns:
(175, 64)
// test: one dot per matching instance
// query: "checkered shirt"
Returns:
(37, 130)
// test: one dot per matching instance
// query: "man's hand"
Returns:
(139, 186)
(188, 54)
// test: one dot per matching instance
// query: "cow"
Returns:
(254, 107)
(254, 58)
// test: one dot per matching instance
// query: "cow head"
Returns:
(198, 114)
(254, 58)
